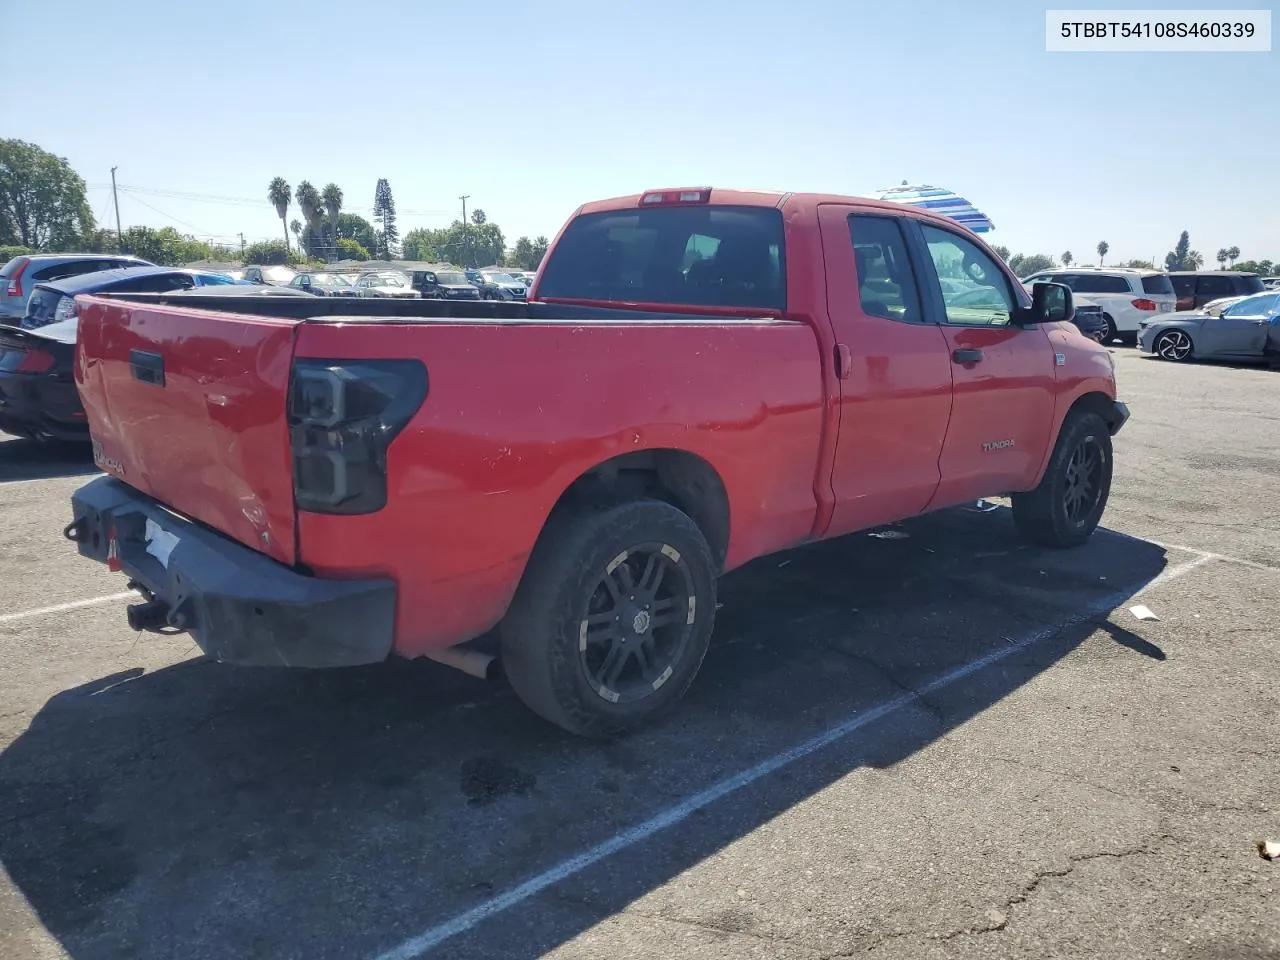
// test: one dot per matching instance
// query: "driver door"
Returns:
(1004, 376)
(1242, 328)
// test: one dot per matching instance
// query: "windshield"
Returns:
(388, 280)
(1266, 305)
(451, 279)
(500, 278)
(713, 256)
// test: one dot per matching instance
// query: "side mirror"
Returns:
(1050, 303)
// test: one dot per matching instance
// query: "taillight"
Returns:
(35, 361)
(1145, 304)
(664, 197)
(66, 309)
(343, 415)
(15, 281)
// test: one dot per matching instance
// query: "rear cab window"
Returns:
(696, 256)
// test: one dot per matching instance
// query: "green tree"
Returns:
(8, 252)
(271, 253)
(1263, 268)
(312, 208)
(278, 195)
(1023, 264)
(1140, 265)
(1067, 258)
(384, 211)
(1103, 247)
(1182, 257)
(522, 254)
(1233, 254)
(1002, 252)
(478, 217)
(348, 249)
(42, 200)
(469, 245)
(540, 245)
(295, 225)
(1222, 258)
(357, 228)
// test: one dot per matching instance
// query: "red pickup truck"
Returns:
(702, 377)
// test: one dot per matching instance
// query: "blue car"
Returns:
(55, 301)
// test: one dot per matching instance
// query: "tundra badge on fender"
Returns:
(993, 445)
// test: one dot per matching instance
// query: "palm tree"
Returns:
(1222, 258)
(310, 204)
(1193, 261)
(1233, 254)
(1067, 258)
(296, 226)
(333, 206)
(1103, 247)
(278, 194)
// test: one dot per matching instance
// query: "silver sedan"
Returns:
(1248, 330)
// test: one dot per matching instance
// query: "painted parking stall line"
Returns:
(432, 937)
(63, 607)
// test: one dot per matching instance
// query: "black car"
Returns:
(1196, 288)
(324, 284)
(444, 285)
(1090, 320)
(38, 397)
(54, 302)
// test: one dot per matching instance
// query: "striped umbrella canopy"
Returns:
(941, 201)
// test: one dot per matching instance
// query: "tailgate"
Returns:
(188, 406)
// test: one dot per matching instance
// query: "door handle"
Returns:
(147, 367)
(966, 356)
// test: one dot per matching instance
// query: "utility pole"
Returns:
(466, 234)
(116, 200)
(242, 244)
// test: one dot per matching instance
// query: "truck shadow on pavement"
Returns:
(202, 811)
(22, 459)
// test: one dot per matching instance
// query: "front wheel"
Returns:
(612, 618)
(1173, 345)
(1065, 509)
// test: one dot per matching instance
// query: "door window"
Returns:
(1214, 286)
(886, 283)
(981, 295)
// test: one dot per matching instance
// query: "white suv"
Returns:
(1126, 296)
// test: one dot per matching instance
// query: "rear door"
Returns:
(188, 406)
(893, 367)
(1003, 375)
(1211, 286)
(1242, 328)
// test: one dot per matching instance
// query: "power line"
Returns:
(245, 201)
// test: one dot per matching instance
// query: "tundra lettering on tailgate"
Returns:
(107, 463)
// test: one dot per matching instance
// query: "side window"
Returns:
(1214, 286)
(1184, 286)
(1099, 283)
(986, 299)
(886, 282)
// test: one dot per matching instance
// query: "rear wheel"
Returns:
(613, 616)
(1174, 345)
(1110, 333)
(1065, 509)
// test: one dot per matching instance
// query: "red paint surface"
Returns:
(517, 410)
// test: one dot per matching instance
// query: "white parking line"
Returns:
(60, 607)
(419, 945)
(82, 477)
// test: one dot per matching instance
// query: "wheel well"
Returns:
(1100, 404)
(677, 477)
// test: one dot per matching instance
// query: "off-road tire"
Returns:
(1042, 515)
(541, 632)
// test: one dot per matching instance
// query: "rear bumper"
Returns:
(240, 607)
(37, 405)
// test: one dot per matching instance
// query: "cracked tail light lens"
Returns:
(343, 416)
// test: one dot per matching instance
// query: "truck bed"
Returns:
(387, 310)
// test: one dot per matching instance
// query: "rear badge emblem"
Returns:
(110, 464)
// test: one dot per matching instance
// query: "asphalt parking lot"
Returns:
(946, 744)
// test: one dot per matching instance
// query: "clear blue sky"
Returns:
(532, 108)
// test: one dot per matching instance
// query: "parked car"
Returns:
(445, 285)
(386, 283)
(325, 284)
(1247, 330)
(1087, 318)
(500, 286)
(38, 398)
(580, 482)
(54, 302)
(1271, 283)
(1127, 296)
(1195, 288)
(274, 276)
(1214, 308)
(22, 274)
